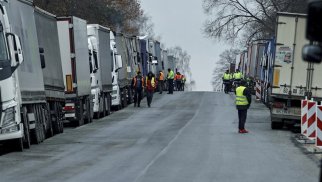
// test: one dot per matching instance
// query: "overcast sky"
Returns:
(179, 22)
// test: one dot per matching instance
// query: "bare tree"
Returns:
(256, 18)
(182, 61)
(225, 59)
(119, 15)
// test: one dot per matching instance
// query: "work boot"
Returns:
(134, 104)
(245, 131)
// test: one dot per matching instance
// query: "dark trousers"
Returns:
(242, 116)
(178, 83)
(149, 97)
(161, 86)
(137, 96)
(170, 83)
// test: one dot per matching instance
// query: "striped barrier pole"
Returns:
(304, 117)
(311, 120)
(318, 141)
(258, 91)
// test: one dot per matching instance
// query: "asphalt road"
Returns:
(185, 137)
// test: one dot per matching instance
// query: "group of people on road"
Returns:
(243, 95)
(150, 83)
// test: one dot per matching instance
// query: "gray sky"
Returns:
(179, 22)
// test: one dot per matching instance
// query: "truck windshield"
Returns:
(3, 48)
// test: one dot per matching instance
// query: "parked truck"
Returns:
(52, 70)
(124, 73)
(117, 65)
(74, 53)
(101, 65)
(293, 79)
(23, 99)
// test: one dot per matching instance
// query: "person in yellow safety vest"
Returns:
(170, 78)
(243, 101)
(150, 86)
(226, 81)
(238, 75)
(161, 82)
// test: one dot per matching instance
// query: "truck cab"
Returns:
(117, 64)
(11, 127)
(93, 62)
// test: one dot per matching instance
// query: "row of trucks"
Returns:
(59, 70)
(277, 66)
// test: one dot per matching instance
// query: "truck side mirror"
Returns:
(16, 52)
(119, 63)
(42, 58)
(314, 26)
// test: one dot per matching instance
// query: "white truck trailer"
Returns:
(101, 65)
(293, 78)
(73, 43)
(23, 100)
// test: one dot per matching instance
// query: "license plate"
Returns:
(70, 115)
(282, 111)
(289, 111)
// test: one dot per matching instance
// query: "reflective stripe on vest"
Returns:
(241, 99)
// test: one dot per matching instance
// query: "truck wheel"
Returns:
(109, 107)
(17, 144)
(277, 125)
(26, 139)
(80, 119)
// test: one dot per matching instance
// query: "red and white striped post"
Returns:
(258, 90)
(318, 141)
(304, 116)
(311, 120)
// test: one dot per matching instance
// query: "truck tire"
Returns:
(109, 104)
(277, 125)
(17, 144)
(26, 139)
(80, 119)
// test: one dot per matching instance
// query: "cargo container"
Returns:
(52, 69)
(73, 44)
(293, 78)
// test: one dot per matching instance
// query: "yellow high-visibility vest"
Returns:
(152, 82)
(227, 76)
(238, 75)
(241, 99)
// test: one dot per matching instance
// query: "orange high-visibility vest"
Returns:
(161, 77)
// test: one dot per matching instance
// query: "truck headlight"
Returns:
(9, 117)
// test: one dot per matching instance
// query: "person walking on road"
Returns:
(183, 82)
(170, 78)
(243, 101)
(177, 78)
(150, 87)
(227, 81)
(161, 82)
(138, 86)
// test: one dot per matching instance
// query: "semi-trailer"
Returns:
(74, 53)
(52, 70)
(293, 78)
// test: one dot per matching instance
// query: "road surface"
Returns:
(185, 137)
